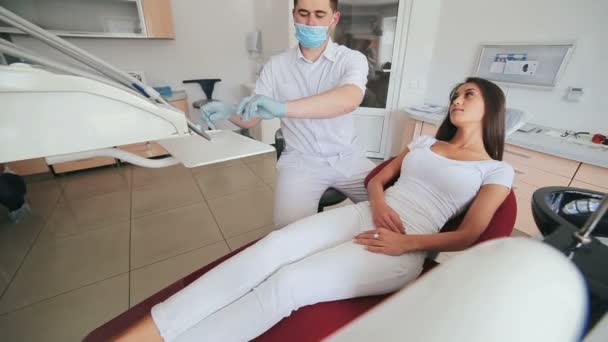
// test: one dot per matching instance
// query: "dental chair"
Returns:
(313, 322)
(564, 218)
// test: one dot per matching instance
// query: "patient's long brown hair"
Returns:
(493, 120)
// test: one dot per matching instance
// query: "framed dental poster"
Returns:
(535, 65)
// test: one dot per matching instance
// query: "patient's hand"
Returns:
(385, 241)
(384, 216)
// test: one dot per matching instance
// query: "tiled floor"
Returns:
(100, 241)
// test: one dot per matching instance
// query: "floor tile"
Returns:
(68, 317)
(205, 168)
(144, 176)
(165, 195)
(83, 215)
(243, 239)
(39, 177)
(272, 185)
(257, 157)
(265, 169)
(215, 183)
(90, 183)
(244, 211)
(56, 267)
(15, 242)
(42, 197)
(148, 280)
(161, 236)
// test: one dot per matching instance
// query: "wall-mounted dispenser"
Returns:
(253, 42)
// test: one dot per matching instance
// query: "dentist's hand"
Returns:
(262, 107)
(216, 111)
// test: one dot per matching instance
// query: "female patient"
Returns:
(338, 254)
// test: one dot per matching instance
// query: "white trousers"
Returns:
(302, 180)
(312, 260)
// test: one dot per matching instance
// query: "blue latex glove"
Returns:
(260, 106)
(216, 111)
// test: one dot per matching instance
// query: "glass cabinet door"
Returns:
(370, 26)
(114, 18)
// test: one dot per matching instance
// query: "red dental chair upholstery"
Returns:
(313, 322)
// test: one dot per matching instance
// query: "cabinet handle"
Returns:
(518, 154)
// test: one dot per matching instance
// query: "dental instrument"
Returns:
(65, 113)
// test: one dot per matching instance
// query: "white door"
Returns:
(376, 28)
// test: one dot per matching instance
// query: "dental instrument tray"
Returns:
(195, 151)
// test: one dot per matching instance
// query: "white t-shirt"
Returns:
(432, 189)
(291, 76)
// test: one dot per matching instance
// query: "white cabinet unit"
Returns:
(96, 18)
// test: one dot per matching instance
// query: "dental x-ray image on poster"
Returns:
(536, 65)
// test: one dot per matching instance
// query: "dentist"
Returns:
(313, 88)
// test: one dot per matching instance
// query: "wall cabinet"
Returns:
(29, 167)
(158, 17)
(96, 18)
(591, 177)
(82, 164)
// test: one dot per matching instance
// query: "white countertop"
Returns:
(541, 142)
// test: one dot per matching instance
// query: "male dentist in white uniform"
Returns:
(313, 88)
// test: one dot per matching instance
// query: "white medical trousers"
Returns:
(312, 260)
(302, 180)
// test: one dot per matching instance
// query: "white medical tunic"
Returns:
(290, 76)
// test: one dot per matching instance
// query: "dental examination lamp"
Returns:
(65, 113)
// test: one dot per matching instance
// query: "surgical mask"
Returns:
(311, 36)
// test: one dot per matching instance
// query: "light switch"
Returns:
(574, 94)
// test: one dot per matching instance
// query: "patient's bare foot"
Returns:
(145, 331)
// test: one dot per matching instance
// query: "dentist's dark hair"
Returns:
(493, 119)
(332, 3)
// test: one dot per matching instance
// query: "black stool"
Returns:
(330, 197)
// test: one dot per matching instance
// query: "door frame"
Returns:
(395, 79)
